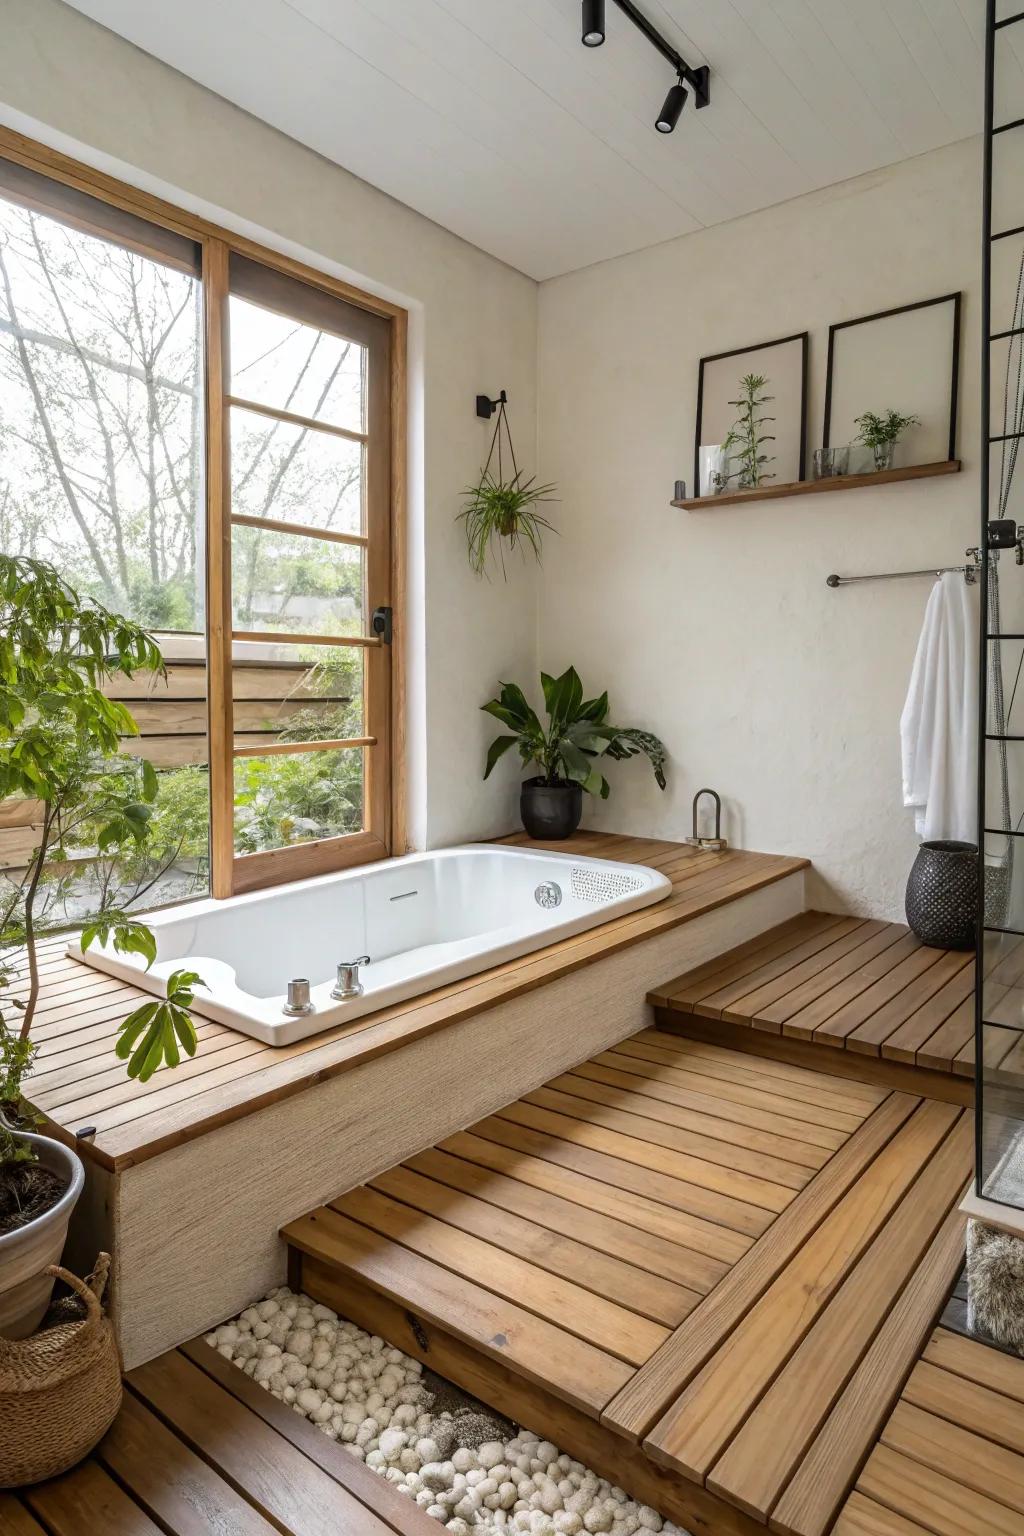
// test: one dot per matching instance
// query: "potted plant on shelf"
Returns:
(745, 441)
(882, 433)
(566, 750)
(59, 741)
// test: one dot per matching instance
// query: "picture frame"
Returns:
(718, 378)
(905, 347)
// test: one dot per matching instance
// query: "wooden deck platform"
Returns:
(705, 1273)
(867, 988)
(76, 1082)
(950, 1458)
(199, 1449)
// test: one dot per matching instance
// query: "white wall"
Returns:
(715, 629)
(75, 85)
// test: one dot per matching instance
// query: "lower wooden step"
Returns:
(671, 1261)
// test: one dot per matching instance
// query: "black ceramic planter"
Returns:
(550, 811)
(942, 895)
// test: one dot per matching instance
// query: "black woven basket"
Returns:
(942, 895)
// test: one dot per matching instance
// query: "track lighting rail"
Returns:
(592, 35)
(697, 79)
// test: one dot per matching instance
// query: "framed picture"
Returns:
(905, 359)
(783, 364)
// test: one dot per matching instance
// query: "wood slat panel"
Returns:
(810, 1502)
(696, 1429)
(611, 1327)
(604, 1273)
(655, 1386)
(285, 1486)
(629, 1242)
(940, 1503)
(582, 1374)
(976, 1362)
(759, 1462)
(656, 1218)
(864, 986)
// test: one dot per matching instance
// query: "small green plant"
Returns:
(576, 736)
(882, 433)
(59, 753)
(151, 1035)
(744, 442)
(504, 510)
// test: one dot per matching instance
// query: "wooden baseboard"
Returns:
(819, 1058)
(608, 1454)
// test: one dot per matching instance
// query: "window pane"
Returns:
(295, 474)
(294, 367)
(101, 449)
(286, 582)
(295, 798)
(310, 693)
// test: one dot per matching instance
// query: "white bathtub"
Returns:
(424, 920)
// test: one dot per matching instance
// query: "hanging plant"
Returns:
(503, 511)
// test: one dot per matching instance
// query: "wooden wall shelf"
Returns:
(815, 487)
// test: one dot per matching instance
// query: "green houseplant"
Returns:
(502, 509)
(59, 750)
(567, 750)
(744, 442)
(882, 433)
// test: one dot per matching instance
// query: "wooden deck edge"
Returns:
(381, 1034)
(806, 1053)
(572, 1431)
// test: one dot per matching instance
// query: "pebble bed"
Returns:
(458, 1462)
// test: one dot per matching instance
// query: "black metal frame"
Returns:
(886, 314)
(803, 337)
(988, 541)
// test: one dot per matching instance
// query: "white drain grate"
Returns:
(598, 886)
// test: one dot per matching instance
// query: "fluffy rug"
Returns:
(995, 1284)
(467, 1468)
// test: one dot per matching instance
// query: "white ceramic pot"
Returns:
(25, 1288)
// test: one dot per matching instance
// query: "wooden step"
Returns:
(199, 1448)
(850, 984)
(676, 1259)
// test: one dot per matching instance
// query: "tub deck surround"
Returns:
(865, 988)
(77, 1083)
(707, 1274)
(199, 1448)
(191, 1176)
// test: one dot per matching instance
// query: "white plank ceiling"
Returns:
(490, 117)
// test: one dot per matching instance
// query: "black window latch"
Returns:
(382, 625)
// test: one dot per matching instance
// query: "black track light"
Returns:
(593, 23)
(672, 108)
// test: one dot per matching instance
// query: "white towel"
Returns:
(939, 724)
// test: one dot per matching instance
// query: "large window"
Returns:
(200, 434)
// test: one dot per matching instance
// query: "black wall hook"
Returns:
(486, 407)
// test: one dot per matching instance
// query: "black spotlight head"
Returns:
(671, 111)
(593, 23)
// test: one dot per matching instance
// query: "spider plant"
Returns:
(504, 510)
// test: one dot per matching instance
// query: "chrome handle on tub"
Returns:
(348, 983)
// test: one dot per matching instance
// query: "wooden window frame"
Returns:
(385, 782)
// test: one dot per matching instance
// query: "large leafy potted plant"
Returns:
(59, 748)
(566, 750)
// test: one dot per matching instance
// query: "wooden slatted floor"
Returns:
(76, 1082)
(869, 987)
(729, 1264)
(950, 1459)
(199, 1450)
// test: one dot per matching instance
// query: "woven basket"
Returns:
(60, 1389)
